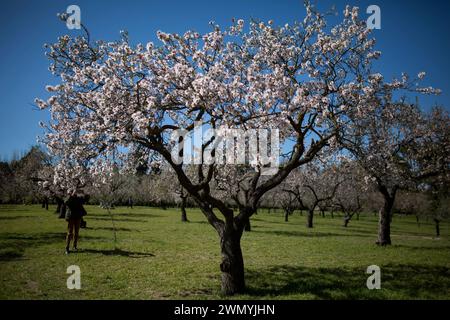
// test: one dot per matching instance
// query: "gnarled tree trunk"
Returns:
(59, 203)
(183, 209)
(45, 203)
(309, 221)
(384, 226)
(436, 223)
(346, 221)
(248, 226)
(232, 265)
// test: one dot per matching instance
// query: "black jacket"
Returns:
(75, 209)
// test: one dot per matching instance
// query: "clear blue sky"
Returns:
(414, 37)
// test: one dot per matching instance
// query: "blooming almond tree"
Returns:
(289, 195)
(44, 179)
(316, 183)
(387, 145)
(350, 195)
(430, 157)
(115, 96)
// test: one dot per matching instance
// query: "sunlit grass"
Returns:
(159, 257)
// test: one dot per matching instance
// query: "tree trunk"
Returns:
(323, 213)
(248, 227)
(346, 221)
(357, 216)
(309, 223)
(58, 207)
(436, 222)
(45, 203)
(384, 226)
(418, 221)
(59, 203)
(232, 265)
(183, 210)
(286, 215)
(332, 214)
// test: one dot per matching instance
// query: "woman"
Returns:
(74, 214)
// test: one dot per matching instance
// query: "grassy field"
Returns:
(158, 257)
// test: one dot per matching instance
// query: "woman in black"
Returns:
(74, 214)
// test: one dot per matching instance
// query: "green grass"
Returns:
(158, 257)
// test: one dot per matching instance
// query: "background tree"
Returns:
(430, 157)
(412, 202)
(289, 194)
(319, 182)
(349, 196)
(18, 177)
(383, 144)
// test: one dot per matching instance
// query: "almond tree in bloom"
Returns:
(169, 178)
(289, 195)
(394, 146)
(47, 188)
(109, 185)
(316, 183)
(303, 79)
(62, 180)
(430, 156)
(351, 193)
(68, 178)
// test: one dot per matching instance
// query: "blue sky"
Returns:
(413, 37)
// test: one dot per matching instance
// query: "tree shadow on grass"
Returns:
(373, 230)
(278, 222)
(118, 252)
(37, 239)
(107, 218)
(428, 248)
(313, 234)
(10, 254)
(16, 217)
(11, 208)
(401, 281)
(353, 228)
(113, 229)
(124, 214)
(138, 215)
(33, 239)
(13, 245)
(200, 222)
